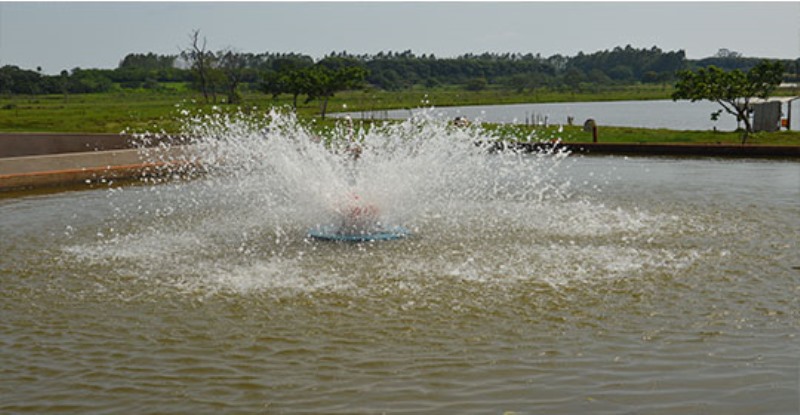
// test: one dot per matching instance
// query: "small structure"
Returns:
(768, 114)
(591, 126)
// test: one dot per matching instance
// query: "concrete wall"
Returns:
(701, 150)
(37, 144)
(63, 160)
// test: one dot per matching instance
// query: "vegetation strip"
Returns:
(148, 91)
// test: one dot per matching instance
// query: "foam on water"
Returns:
(480, 216)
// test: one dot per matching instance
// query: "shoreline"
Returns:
(676, 150)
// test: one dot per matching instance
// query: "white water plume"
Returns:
(260, 182)
(417, 167)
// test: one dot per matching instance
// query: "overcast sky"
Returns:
(65, 35)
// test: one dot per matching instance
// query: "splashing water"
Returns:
(530, 280)
(475, 214)
(406, 170)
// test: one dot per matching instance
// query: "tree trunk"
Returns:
(748, 127)
(740, 112)
(203, 86)
(200, 63)
(324, 107)
(233, 96)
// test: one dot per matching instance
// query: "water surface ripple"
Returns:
(648, 286)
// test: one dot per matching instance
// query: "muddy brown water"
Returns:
(659, 286)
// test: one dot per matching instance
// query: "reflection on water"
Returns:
(630, 285)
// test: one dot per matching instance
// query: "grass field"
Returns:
(147, 110)
(114, 111)
(575, 134)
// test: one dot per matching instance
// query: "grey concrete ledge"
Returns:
(75, 168)
(696, 150)
(39, 144)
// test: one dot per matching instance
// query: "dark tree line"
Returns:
(394, 71)
(14, 80)
(630, 65)
(225, 73)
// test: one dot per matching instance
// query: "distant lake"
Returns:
(680, 115)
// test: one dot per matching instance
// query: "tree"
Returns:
(147, 61)
(83, 81)
(727, 53)
(271, 84)
(476, 84)
(621, 73)
(288, 81)
(63, 83)
(200, 60)
(598, 77)
(733, 90)
(14, 80)
(232, 65)
(324, 82)
(573, 78)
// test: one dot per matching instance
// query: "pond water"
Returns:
(611, 285)
(680, 115)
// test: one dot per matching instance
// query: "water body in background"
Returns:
(668, 114)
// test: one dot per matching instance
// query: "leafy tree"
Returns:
(726, 59)
(733, 90)
(324, 82)
(597, 76)
(573, 78)
(517, 82)
(82, 81)
(650, 77)
(232, 65)
(727, 53)
(63, 82)
(288, 81)
(14, 80)
(271, 84)
(6, 80)
(151, 83)
(629, 64)
(147, 61)
(138, 69)
(621, 73)
(476, 84)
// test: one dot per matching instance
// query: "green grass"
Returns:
(148, 110)
(94, 113)
(114, 111)
(454, 96)
(575, 134)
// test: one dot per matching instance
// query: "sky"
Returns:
(65, 35)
